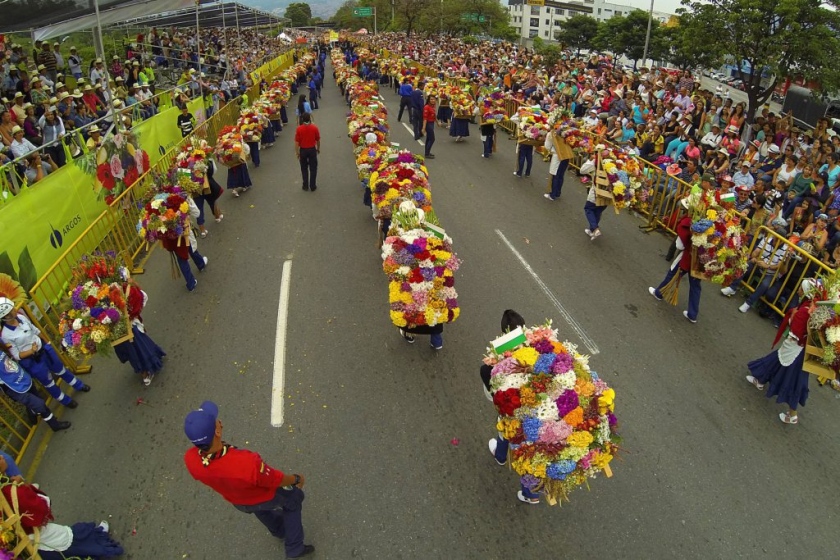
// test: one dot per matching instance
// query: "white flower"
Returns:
(832, 334)
(510, 381)
(106, 320)
(156, 204)
(403, 271)
(547, 410)
(77, 324)
(565, 381)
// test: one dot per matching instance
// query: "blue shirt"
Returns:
(13, 376)
(11, 467)
(628, 134)
(417, 99)
(405, 90)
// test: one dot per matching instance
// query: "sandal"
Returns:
(788, 419)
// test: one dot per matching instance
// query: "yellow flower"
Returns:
(526, 356)
(508, 427)
(527, 396)
(398, 319)
(607, 401)
(711, 214)
(184, 208)
(580, 439)
(601, 460)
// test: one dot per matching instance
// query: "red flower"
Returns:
(105, 177)
(109, 199)
(131, 176)
(416, 276)
(91, 301)
(145, 160)
(507, 401)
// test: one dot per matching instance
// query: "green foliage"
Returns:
(470, 40)
(578, 32)
(300, 13)
(782, 38)
(625, 35)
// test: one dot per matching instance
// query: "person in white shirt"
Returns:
(98, 75)
(711, 140)
(59, 59)
(20, 146)
(74, 62)
(743, 177)
(591, 119)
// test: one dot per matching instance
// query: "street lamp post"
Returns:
(647, 35)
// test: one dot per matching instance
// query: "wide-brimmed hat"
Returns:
(16, 129)
(93, 129)
(732, 129)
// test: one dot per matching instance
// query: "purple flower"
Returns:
(428, 274)
(439, 270)
(530, 482)
(112, 314)
(451, 303)
(405, 287)
(612, 419)
(544, 347)
(96, 312)
(563, 363)
(567, 402)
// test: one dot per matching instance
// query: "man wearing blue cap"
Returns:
(245, 480)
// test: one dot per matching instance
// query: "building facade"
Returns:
(543, 20)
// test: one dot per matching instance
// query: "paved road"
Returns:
(708, 470)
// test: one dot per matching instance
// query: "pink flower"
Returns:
(116, 167)
(554, 431)
(138, 160)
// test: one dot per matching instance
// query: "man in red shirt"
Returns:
(245, 480)
(307, 148)
(429, 116)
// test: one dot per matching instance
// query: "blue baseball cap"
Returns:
(200, 424)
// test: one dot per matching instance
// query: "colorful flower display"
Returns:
(461, 101)
(97, 316)
(165, 216)
(491, 106)
(251, 124)
(403, 176)
(556, 412)
(190, 168)
(420, 268)
(119, 163)
(229, 148)
(719, 252)
(532, 125)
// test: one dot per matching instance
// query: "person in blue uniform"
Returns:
(416, 113)
(459, 128)
(525, 154)
(781, 370)
(18, 386)
(36, 354)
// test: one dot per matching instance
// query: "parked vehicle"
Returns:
(807, 107)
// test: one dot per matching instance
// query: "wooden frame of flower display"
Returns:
(13, 537)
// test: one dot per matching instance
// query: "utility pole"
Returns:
(647, 35)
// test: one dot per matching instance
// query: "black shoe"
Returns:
(72, 404)
(313, 188)
(86, 388)
(307, 550)
(408, 337)
(58, 425)
(430, 156)
(304, 187)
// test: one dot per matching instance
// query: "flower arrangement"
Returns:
(370, 158)
(404, 176)
(119, 162)
(461, 101)
(266, 109)
(719, 253)
(229, 148)
(420, 268)
(491, 107)
(97, 315)
(532, 125)
(556, 412)
(190, 167)
(165, 216)
(251, 124)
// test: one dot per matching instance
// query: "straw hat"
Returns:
(87, 88)
(16, 129)
(93, 129)
(76, 94)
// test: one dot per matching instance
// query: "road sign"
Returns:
(363, 12)
(473, 17)
(536, 2)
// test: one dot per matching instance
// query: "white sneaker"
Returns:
(104, 525)
(685, 314)
(755, 382)
(588, 232)
(744, 308)
(493, 445)
(548, 196)
(652, 291)
(728, 292)
(522, 498)
(595, 235)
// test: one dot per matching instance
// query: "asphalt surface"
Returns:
(392, 438)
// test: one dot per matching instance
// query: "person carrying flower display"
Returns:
(144, 355)
(488, 138)
(34, 352)
(681, 266)
(498, 445)
(781, 370)
(561, 154)
(184, 249)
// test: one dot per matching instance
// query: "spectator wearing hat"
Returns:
(244, 479)
(147, 100)
(98, 73)
(74, 63)
(20, 146)
(31, 130)
(711, 140)
(46, 58)
(743, 177)
(18, 112)
(38, 95)
(730, 141)
(46, 81)
(93, 102)
(32, 351)
(116, 67)
(52, 128)
(681, 266)
(59, 58)
(94, 142)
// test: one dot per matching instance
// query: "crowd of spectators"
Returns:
(784, 178)
(41, 112)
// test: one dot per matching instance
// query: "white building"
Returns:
(543, 20)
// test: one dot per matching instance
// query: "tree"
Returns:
(775, 39)
(578, 32)
(300, 13)
(625, 35)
